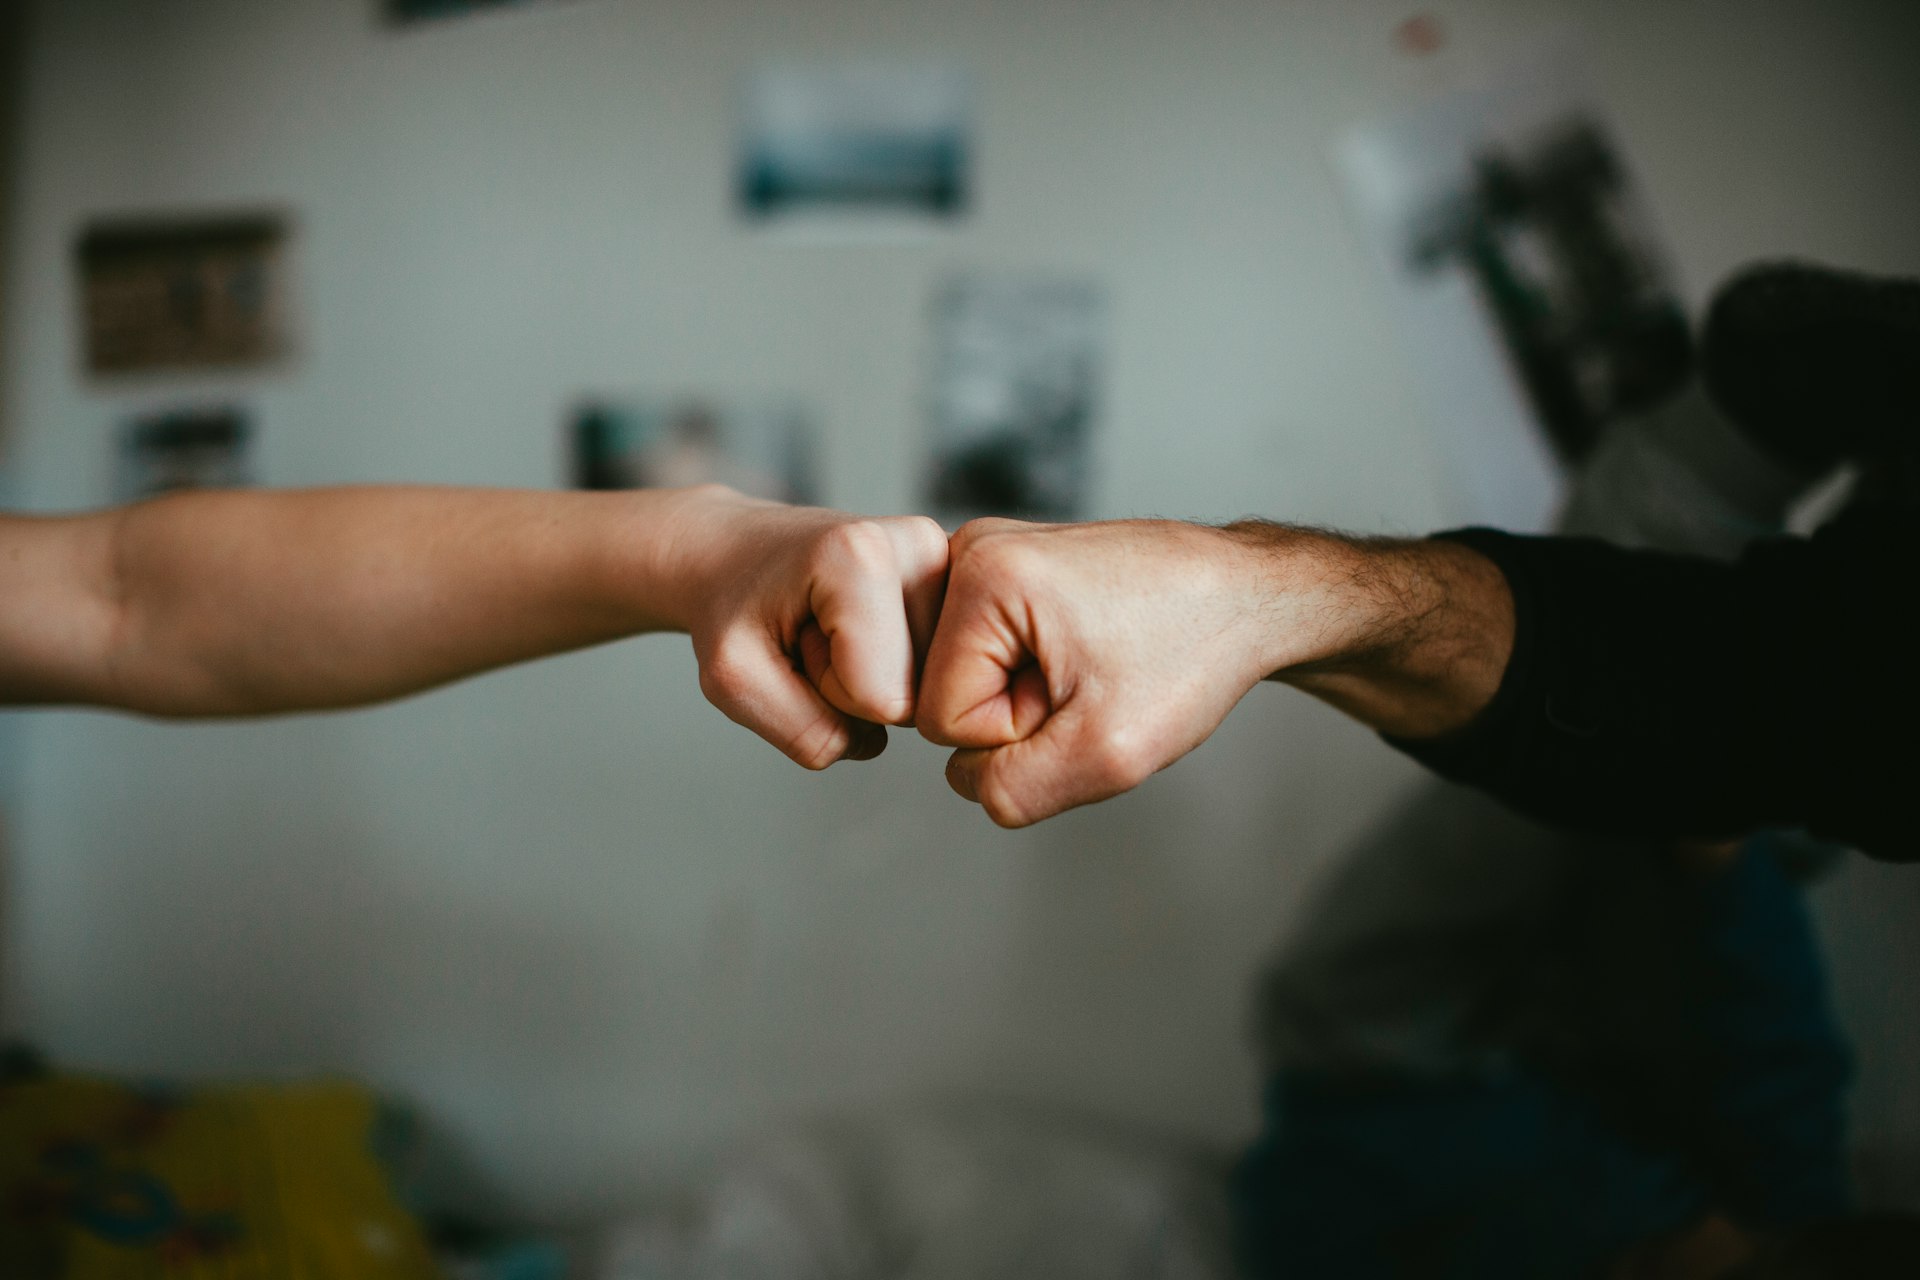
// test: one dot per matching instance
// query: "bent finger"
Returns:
(922, 550)
(980, 687)
(816, 663)
(859, 605)
(1060, 767)
(757, 686)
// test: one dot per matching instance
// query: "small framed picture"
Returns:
(864, 145)
(405, 12)
(192, 294)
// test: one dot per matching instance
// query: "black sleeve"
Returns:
(1656, 695)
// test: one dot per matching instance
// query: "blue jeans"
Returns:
(1522, 1173)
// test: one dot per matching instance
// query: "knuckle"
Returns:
(1121, 761)
(860, 545)
(713, 491)
(1009, 560)
(927, 536)
(726, 673)
(967, 537)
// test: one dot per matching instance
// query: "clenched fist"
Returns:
(1072, 661)
(809, 625)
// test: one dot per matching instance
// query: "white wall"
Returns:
(595, 928)
(11, 53)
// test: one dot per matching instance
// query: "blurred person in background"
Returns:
(1495, 1049)
(1500, 1051)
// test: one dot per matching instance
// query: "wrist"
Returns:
(1410, 637)
(1313, 596)
(670, 550)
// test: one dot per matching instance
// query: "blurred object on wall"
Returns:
(199, 448)
(203, 293)
(1563, 260)
(765, 449)
(400, 12)
(858, 145)
(1016, 371)
(1526, 270)
(1421, 35)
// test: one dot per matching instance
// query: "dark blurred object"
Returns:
(20, 1062)
(923, 176)
(1817, 365)
(1014, 396)
(597, 449)
(1880, 1246)
(207, 293)
(186, 449)
(1557, 250)
(404, 11)
(764, 449)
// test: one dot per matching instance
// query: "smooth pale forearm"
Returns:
(1410, 637)
(234, 603)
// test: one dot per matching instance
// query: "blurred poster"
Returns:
(765, 450)
(1016, 371)
(1524, 266)
(200, 448)
(193, 293)
(860, 144)
(405, 11)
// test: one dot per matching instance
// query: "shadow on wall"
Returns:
(1866, 915)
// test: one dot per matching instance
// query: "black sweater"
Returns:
(1664, 696)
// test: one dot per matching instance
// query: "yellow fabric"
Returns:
(100, 1181)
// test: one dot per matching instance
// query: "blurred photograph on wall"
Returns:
(187, 448)
(402, 12)
(1519, 252)
(762, 449)
(199, 293)
(856, 145)
(1014, 396)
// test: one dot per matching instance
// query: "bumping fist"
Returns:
(809, 625)
(1068, 663)
(1073, 661)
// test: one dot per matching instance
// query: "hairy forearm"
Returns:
(1409, 637)
(243, 603)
